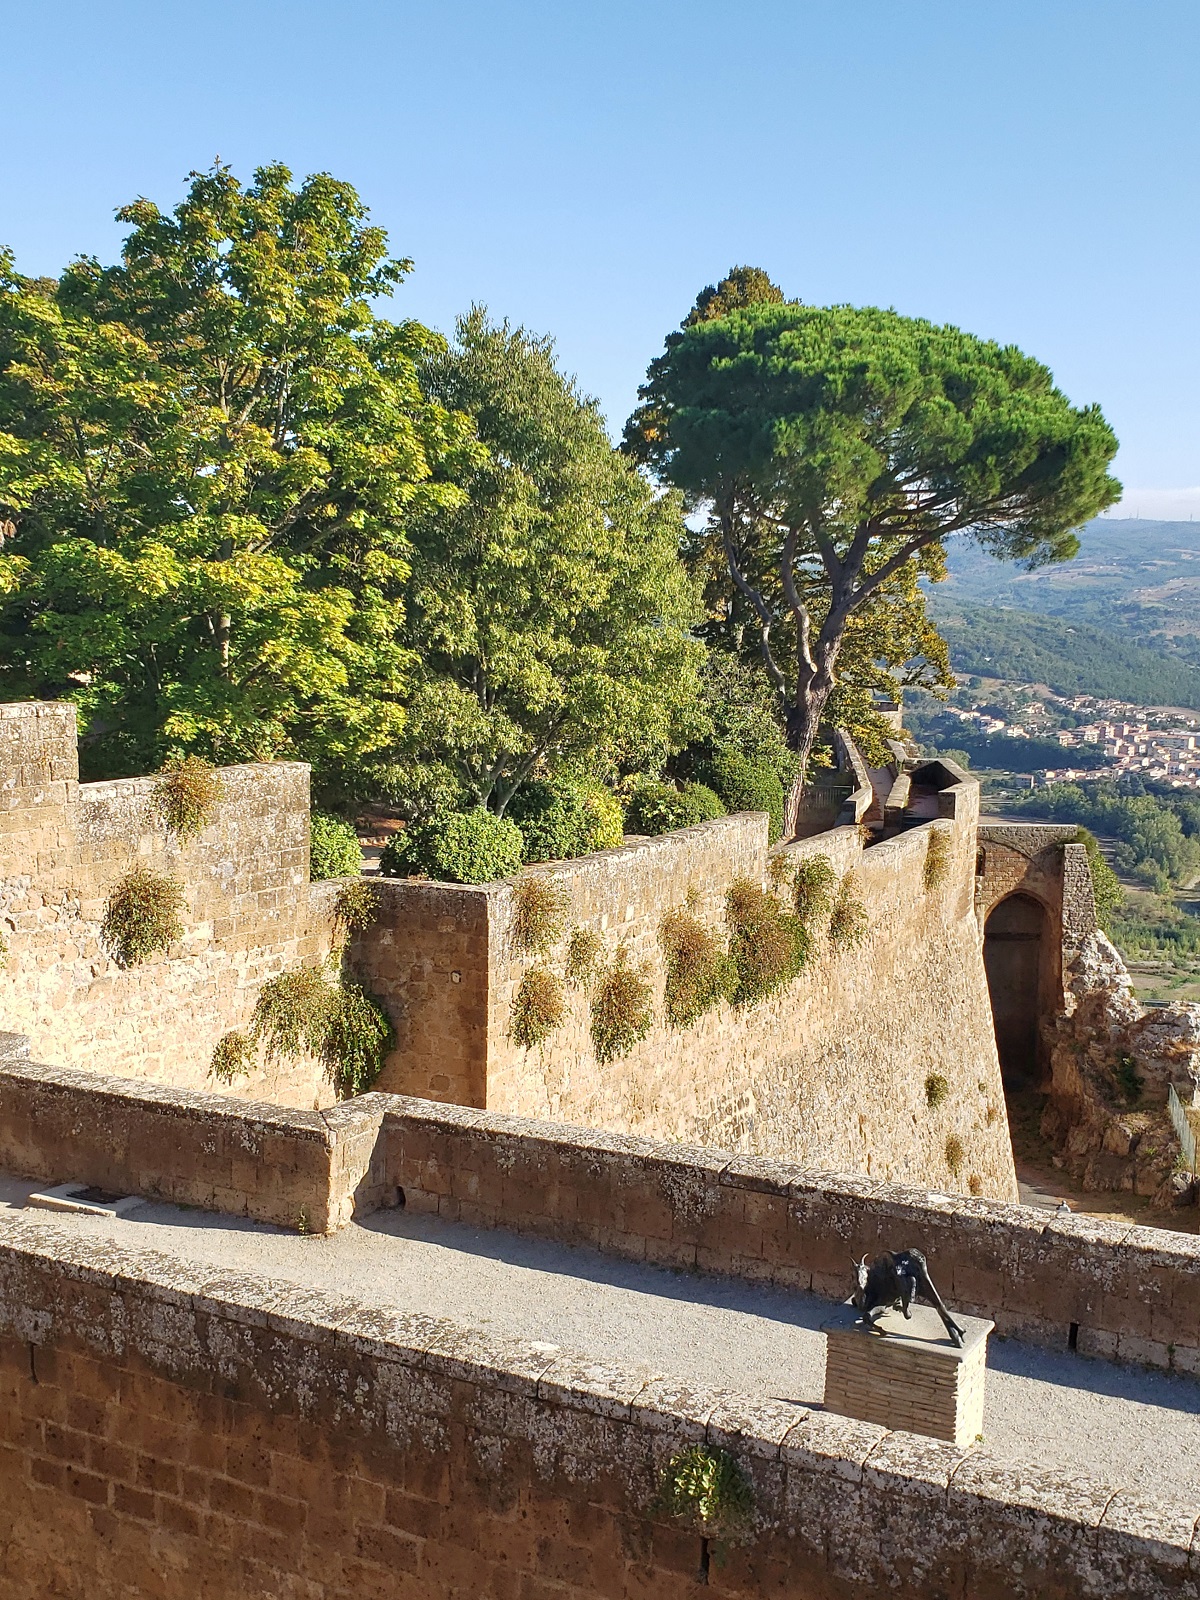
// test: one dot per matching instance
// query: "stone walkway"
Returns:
(1122, 1424)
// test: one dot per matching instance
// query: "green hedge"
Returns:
(456, 847)
(661, 807)
(333, 848)
(745, 785)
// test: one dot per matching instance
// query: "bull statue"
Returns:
(895, 1279)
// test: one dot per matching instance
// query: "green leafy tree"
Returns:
(209, 454)
(548, 609)
(835, 451)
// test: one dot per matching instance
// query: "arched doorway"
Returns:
(1014, 939)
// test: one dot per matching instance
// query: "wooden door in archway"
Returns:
(1014, 938)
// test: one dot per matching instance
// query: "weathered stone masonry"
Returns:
(830, 1071)
(168, 1432)
(1109, 1289)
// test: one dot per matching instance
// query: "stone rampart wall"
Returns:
(248, 912)
(168, 1431)
(1111, 1289)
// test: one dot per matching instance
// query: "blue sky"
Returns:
(1027, 170)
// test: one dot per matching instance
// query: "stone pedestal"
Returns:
(910, 1376)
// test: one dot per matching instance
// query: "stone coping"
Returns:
(299, 1351)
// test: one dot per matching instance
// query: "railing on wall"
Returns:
(1183, 1127)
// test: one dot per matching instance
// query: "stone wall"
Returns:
(1106, 1288)
(832, 1070)
(249, 912)
(168, 1432)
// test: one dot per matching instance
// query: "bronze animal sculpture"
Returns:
(895, 1279)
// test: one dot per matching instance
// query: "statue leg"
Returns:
(924, 1285)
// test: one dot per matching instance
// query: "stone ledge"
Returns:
(993, 1509)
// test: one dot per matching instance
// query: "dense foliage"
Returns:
(660, 807)
(834, 451)
(473, 846)
(549, 614)
(1157, 833)
(209, 454)
(333, 848)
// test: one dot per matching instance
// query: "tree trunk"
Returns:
(802, 720)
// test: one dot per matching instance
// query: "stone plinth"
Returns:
(910, 1376)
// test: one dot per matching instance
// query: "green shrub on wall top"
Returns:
(539, 1007)
(660, 807)
(700, 971)
(553, 816)
(187, 794)
(333, 848)
(622, 1009)
(606, 816)
(143, 915)
(456, 847)
(769, 945)
(745, 785)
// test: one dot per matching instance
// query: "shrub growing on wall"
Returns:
(955, 1154)
(358, 1036)
(938, 853)
(848, 921)
(539, 912)
(814, 885)
(584, 950)
(705, 1490)
(661, 807)
(744, 785)
(622, 1009)
(769, 945)
(456, 847)
(143, 914)
(303, 1011)
(187, 795)
(538, 1008)
(355, 909)
(232, 1057)
(333, 848)
(700, 972)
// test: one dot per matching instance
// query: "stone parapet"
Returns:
(171, 1429)
(1105, 1288)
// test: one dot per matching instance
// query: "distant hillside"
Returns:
(1072, 657)
(1139, 578)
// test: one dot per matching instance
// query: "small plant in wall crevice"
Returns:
(622, 1009)
(584, 950)
(936, 1090)
(848, 921)
(143, 915)
(355, 909)
(814, 884)
(955, 1154)
(187, 794)
(706, 1491)
(538, 1008)
(233, 1057)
